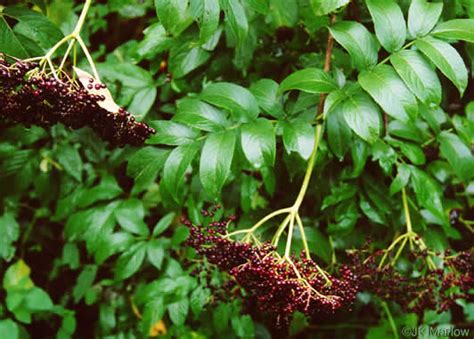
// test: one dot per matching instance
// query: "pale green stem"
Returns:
(388, 250)
(390, 320)
(82, 18)
(281, 228)
(290, 237)
(309, 169)
(88, 57)
(270, 216)
(75, 35)
(400, 249)
(303, 236)
(407, 211)
(228, 235)
(404, 47)
(63, 61)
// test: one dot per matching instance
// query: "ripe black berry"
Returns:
(31, 97)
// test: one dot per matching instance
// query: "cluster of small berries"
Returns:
(429, 289)
(277, 286)
(31, 97)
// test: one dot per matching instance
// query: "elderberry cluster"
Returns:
(31, 97)
(435, 289)
(277, 287)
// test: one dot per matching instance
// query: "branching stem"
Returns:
(409, 236)
(71, 38)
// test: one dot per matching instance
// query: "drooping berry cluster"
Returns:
(31, 97)
(428, 289)
(277, 286)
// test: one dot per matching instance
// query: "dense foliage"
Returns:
(311, 174)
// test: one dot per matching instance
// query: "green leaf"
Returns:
(38, 300)
(9, 233)
(176, 165)
(114, 243)
(199, 299)
(266, 93)
(434, 116)
(362, 115)
(418, 75)
(422, 17)
(390, 26)
(156, 41)
(343, 191)
(107, 189)
(234, 98)
(180, 234)
(336, 97)
(283, 13)
(84, 282)
(34, 27)
(8, 327)
(346, 215)
(359, 155)
(401, 180)
(198, 114)
(185, 58)
(427, 191)
(446, 58)
(136, 82)
(324, 7)
(243, 326)
(93, 227)
(107, 318)
(310, 80)
(236, 19)
(456, 29)
(174, 15)
(260, 6)
(163, 224)
(153, 313)
(144, 166)
(358, 41)
(172, 133)
(388, 90)
(130, 261)
(371, 211)
(71, 256)
(298, 136)
(412, 151)
(70, 160)
(130, 214)
(406, 130)
(216, 159)
(142, 101)
(339, 133)
(178, 311)
(17, 277)
(209, 21)
(9, 42)
(385, 155)
(458, 155)
(220, 317)
(258, 142)
(156, 252)
(13, 162)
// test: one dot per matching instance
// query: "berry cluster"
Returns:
(277, 286)
(429, 289)
(31, 97)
